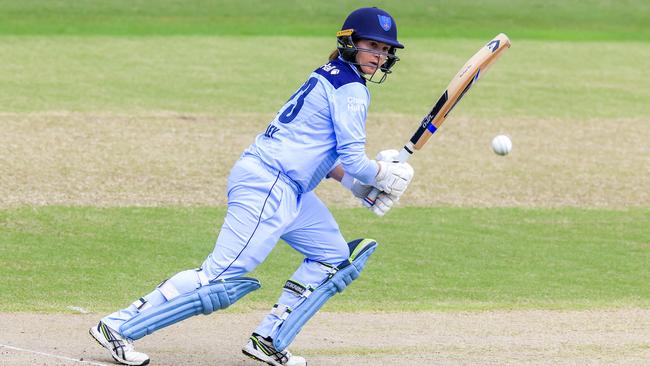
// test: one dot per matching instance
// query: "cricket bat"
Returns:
(476, 66)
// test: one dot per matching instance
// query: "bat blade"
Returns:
(460, 84)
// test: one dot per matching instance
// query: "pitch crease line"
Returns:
(50, 355)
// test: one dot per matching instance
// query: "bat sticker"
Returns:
(494, 45)
(469, 85)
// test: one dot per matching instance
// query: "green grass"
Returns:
(205, 75)
(428, 259)
(536, 19)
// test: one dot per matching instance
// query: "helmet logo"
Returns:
(385, 22)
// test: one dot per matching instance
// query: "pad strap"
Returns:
(141, 304)
(282, 311)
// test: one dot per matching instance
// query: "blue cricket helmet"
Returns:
(374, 24)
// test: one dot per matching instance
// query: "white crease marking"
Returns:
(51, 355)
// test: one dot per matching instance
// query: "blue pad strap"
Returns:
(204, 300)
(348, 271)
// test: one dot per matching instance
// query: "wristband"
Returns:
(347, 181)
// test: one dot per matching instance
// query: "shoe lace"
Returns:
(288, 355)
(280, 356)
(121, 343)
(128, 345)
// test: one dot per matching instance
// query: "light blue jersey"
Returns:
(321, 125)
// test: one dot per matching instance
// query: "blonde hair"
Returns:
(334, 55)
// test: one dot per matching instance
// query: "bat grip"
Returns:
(404, 155)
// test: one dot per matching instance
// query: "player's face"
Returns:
(371, 55)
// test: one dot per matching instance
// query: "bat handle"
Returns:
(404, 155)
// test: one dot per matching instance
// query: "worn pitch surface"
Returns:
(617, 337)
(183, 159)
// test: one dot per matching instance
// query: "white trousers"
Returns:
(263, 207)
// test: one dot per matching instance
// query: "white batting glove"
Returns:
(360, 190)
(393, 178)
(390, 155)
(383, 203)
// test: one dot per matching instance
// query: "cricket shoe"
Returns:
(261, 349)
(121, 348)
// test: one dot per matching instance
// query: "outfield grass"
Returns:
(429, 258)
(204, 75)
(536, 19)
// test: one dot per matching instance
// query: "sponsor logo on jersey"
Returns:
(356, 104)
(329, 67)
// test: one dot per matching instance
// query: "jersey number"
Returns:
(292, 110)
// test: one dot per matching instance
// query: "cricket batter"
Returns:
(318, 133)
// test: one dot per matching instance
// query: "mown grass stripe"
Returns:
(535, 19)
(472, 259)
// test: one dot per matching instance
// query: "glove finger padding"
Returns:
(383, 203)
(393, 178)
